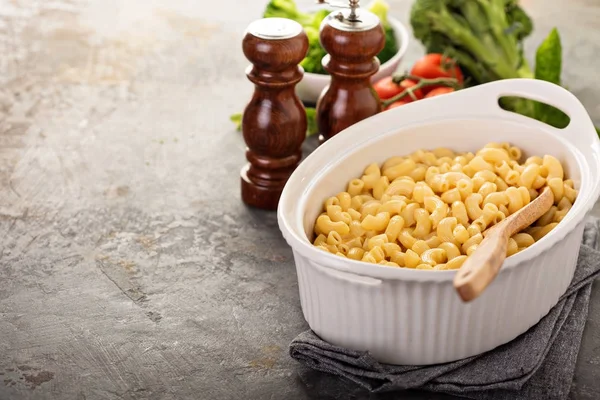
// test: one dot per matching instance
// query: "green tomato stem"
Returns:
(421, 83)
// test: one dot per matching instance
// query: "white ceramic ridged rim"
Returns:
(290, 210)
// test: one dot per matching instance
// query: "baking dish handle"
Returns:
(580, 132)
(347, 276)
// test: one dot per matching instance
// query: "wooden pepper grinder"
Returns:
(352, 38)
(274, 121)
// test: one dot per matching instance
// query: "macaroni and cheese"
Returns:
(431, 209)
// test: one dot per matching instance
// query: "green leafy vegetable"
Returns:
(519, 20)
(237, 120)
(548, 60)
(288, 9)
(380, 8)
(311, 121)
(548, 67)
(312, 61)
(484, 36)
(391, 46)
(311, 23)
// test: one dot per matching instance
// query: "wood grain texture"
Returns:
(480, 269)
(351, 62)
(274, 121)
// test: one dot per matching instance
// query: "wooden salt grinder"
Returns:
(274, 121)
(352, 38)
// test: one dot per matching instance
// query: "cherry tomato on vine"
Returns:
(398, 103)
(435, 65)
(439, 91)
(386, 88)
(406, 84)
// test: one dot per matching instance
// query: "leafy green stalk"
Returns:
(483, 35)
(287, 9)
(494, 11)
(311, 121)
(465, 60)
(380, 8)
(311, 23)
(237, 120)
(548, 59)
(456, 32)
(520, 23)
(312, 62)
(548, 67)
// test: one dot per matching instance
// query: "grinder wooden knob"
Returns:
(274, 121)
(352, 39)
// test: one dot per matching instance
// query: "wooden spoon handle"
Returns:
(480, 269)
(483, 265)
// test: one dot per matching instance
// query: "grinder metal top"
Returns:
(274, 28)
(352, 18)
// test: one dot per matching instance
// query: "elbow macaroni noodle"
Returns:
(430, 210)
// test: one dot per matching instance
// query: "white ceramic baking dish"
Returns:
(415, 317)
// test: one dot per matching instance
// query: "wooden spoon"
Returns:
(480, 269)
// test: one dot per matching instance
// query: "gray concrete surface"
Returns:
(129, 269)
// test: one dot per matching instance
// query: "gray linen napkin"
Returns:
(539, 364)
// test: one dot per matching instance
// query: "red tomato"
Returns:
(386, 88)
(407, 83)
(398, 104)
(433, 66)
(439, 91)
